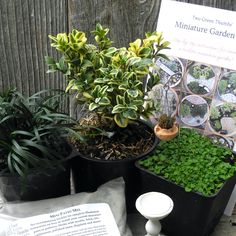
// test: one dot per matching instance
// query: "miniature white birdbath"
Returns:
(154, 206)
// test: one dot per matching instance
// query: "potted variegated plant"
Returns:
(112, 82)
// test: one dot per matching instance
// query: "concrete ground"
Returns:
(226, 226)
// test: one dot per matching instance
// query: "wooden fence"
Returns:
(25, 25)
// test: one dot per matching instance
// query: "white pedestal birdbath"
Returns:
(154, 206)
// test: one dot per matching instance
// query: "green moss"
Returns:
(193, 162)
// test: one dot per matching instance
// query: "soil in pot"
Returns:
(129, 142)
(103, 158)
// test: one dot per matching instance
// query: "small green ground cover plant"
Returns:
(192, 161)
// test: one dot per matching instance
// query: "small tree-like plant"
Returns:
(199, 110)
(227, 107)
(166, 122)
(215, 113)
(222, 86)
(110, 80)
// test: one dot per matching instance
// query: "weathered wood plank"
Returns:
(7, 46)
(4, 69)
(24, 29)
(127, 20)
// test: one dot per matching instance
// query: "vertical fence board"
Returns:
(127, 20)
(24, 29)
(4, 70)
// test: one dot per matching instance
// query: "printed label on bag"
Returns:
(83, 220)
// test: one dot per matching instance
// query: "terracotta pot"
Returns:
(166, 134)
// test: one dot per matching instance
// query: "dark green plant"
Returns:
(185, 110)
(32, 133)
(166, 122)
(195, 88)
(232, 79)
(199, 110)
(192, 161)
(222, 86)
(110, 80)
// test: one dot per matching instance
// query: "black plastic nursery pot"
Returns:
(88, 174)
(49, 184)
(193, 214)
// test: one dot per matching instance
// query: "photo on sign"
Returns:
(199, 96)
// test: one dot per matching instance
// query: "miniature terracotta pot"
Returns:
(166, 134)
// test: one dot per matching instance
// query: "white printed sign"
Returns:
(199, 33)
(206, 81)
(83, 220)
